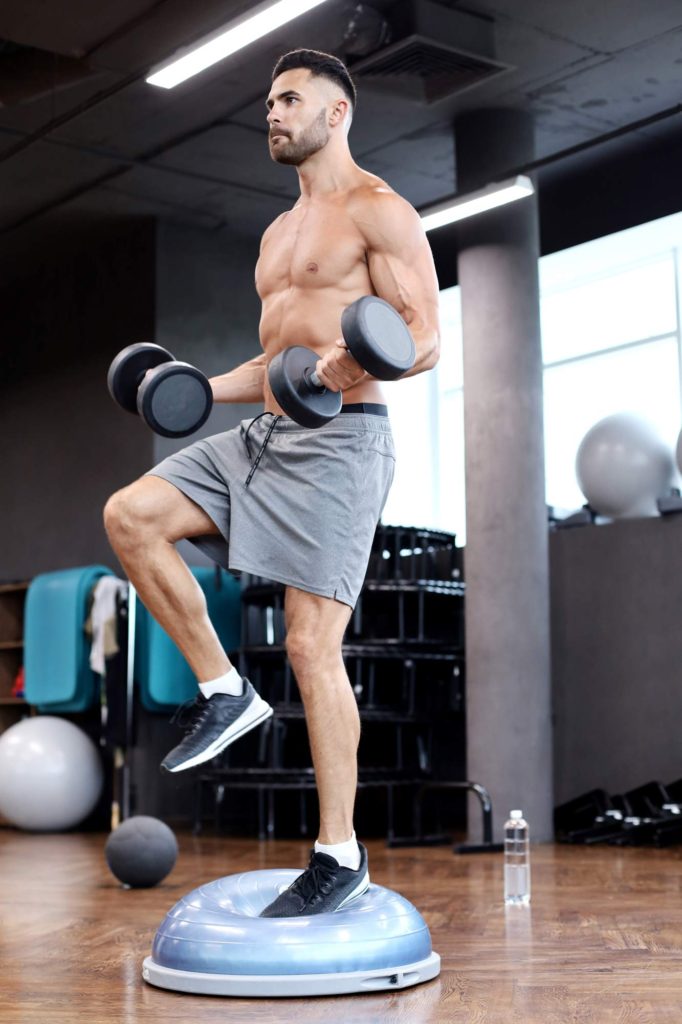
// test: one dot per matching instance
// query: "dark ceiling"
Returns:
(84, 139)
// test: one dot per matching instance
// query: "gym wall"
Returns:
(616, 593)
(67, 447)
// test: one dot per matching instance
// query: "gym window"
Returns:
(611, 315)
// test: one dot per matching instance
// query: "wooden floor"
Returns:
(601, 942)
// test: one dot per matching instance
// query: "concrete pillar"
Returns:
(509, 742)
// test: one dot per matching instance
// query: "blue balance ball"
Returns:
(213, 942)
(141, 851)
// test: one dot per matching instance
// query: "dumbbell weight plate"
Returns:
(288, 375)
(128, 369)
(378, 337)
(175, 399)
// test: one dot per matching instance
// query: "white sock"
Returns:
(231, 682)
(347, 854)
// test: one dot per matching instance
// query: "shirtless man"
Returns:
(303, 510)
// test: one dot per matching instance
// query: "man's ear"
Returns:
(338, 112)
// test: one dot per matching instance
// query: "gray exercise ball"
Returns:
(623, 466)
(141, 851)
(50, 774)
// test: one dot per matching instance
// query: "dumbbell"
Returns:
(174, 398)
(378, 339)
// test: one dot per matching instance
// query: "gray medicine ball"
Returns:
(141, 851)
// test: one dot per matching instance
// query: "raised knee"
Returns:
(126, 514)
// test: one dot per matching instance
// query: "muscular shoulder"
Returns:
(271, 228)
(382, 215)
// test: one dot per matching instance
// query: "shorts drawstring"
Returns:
(272, 426)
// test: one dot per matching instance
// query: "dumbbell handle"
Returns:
(313, 381)
(378, 340)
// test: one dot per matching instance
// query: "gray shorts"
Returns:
(296, 505)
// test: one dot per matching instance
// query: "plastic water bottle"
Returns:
(516, 860)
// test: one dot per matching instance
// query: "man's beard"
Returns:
(311, 140)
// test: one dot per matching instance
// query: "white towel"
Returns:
(103, 619)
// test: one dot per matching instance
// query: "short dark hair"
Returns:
(323, 65)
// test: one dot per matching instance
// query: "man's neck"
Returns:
(327, 176)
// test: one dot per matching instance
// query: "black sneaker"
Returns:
(212, 724)
(323, 887)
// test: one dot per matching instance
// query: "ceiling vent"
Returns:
(436, 53)
(27, 73)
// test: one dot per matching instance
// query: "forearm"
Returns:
(427, 345)
(243, 384)
(427, 353)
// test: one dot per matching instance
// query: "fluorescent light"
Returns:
(227, 41)
(477, 202)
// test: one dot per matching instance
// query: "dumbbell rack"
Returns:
(404, 653)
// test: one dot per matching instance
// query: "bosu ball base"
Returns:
(212, 942)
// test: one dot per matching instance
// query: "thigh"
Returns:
(161, 505)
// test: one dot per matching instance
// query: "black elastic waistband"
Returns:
(369, 408)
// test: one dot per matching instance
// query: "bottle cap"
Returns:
(516, 814)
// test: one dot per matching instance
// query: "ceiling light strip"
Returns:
(228, 41)
(471, 203)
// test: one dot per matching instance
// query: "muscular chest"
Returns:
(309, 249)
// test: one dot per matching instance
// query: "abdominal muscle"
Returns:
(310, 317)
(311, 267)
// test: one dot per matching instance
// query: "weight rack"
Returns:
(404, 653)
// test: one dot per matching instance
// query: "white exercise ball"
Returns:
(623, 466)
(50, 774)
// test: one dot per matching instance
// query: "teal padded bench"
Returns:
(161, 672)
(56, 647)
